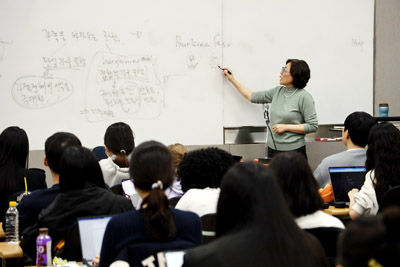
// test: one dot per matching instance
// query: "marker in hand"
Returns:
(230, 73)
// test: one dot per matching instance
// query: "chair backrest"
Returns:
(328, 237)
(209, 225)
(173, 201)
(117, 189)
(391, 197)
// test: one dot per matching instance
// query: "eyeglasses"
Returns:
(284, 69)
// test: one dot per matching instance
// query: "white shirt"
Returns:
(318, 219)
(200, 201)
(365, 202)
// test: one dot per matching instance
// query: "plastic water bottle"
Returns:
(12, 224)
(43, 248)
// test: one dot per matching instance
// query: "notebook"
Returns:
(344, 179)
(91, 232)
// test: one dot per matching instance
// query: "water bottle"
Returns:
(43, 248)
(383, 110)
(12, 224)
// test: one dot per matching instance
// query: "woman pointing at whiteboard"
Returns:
(292, 108)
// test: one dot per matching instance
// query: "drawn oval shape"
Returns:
(40, 92)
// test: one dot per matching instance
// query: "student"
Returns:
(201, 172)
(383, 170)
(177, 151)
(292, 108)
(355, 138)
(14, 152)
(32, 204)
(83, 193)
(371, 240)
(296, 180)
(119, 143)
(255, 227)
(138, 234)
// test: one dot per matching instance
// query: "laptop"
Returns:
(91, 232)
(344, 179)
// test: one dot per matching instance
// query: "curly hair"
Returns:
(383, 156)
(204, 168)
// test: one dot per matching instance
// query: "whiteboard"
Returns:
(79, 66)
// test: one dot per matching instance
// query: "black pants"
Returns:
(273, 152)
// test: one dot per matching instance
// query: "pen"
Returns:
(230, 73)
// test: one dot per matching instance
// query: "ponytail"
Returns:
(121, 159)
(158, 218)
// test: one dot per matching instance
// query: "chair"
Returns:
(117, 189)
(328, 237)
(100, 152)
(173, 201)
(391, 197)
(209, 222)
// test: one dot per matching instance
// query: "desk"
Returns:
(2, 234)
(337, 211)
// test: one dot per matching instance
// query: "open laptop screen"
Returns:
(344, 179)
(91, 232)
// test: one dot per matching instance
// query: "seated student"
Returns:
(254, 226)
(383, 170)
(83, 193)
(354, 137)
(119, 143)
(177, 152)
(371, 241)
(155, 224)
(296, 180)
(14, 152)
(201, 172)
(32, 204)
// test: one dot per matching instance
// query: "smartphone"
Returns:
(128, 187)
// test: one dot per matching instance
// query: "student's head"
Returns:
(248, 196)
(371, 239)
(357, 126)
(177, 151)
(383, 156)
(300, 72)
(14, 147)
(79, 169)
(297, 182)
(204, 168)
(119, 140)
(152, 171)
(55, 146)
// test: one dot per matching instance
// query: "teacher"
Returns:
(292, 108)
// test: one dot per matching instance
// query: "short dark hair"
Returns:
(358, 124)
(120, 140)
(204, 168)
(79, 169)
(55, 146)
(299, 187)
(300, 72)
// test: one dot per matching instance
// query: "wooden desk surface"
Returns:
(2, 234)
(336, 211)
(9, 251)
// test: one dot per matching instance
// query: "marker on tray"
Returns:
(328, 139)
(230, 73)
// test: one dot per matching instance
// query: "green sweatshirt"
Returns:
(288, 108)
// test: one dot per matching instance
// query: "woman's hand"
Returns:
(96, 261)
(279, 128)
(352, 192)
(229, 74)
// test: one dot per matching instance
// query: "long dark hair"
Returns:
(383, 156)
(251, 201)
(297, 182)
(152, 171)
(79, 169)
(120, 140)
(14, 151)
